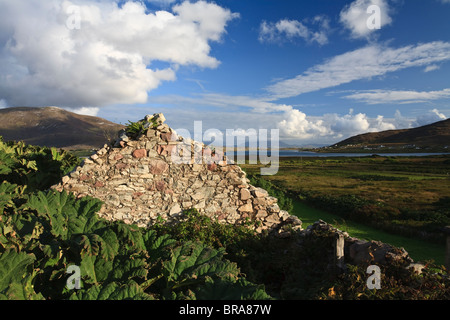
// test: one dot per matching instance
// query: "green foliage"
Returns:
(397, 283)
(42, 232)
(32, 166)
(52, 230)
(198, 227)
(16, 274)
(134, 129)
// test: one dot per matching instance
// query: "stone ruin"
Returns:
(140, 183)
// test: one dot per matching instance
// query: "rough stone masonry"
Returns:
(139, 182)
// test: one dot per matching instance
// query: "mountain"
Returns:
(433, 135)
(56, 127)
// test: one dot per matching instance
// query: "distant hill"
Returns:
(433, 135)
(56, 127)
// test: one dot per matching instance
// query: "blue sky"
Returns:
(312, 69)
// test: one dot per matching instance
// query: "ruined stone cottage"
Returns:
(139, 181)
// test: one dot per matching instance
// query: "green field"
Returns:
(402, 201)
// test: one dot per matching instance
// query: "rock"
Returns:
(260, 193)
(273, 218)
(200, 205)
(234, 178)
(417, 267)
(166, 137)
(375, 252)
(274, 209)
(118, 157)
(198, 196)
(244, 194)
(140, 153)
(158, 167)
(99, 184)
(246, 208)
(261, 214)
(65, 179)
(123, 136)
(294, 220)
(151, 134)
(165, 150)
(159, 118)
(176, 209)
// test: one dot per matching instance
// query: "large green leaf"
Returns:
(112, 291)
(52, 205)
(95, 270)
(86, 219)
(67, 215)
(131, 237)
(14, 268)
(8, 192)
(157, 246)
(23, 290)
(129, 267)
(7, 161)
(192, 263)
(110, 245)
(220, 289)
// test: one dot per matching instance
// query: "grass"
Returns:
(400, 195)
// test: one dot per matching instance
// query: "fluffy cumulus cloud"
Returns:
(285, 29)
(94, 53)
(329, 127)
(360, 18)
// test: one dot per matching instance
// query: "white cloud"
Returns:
(3, 104)
(334, 127)
(286, 29)
(354, 17)
(256, 104)
(329, 127)
(109, 58)
(364, 63)
(430, 117)
(86, 111)
(432, 67)
(403, 97)
(298, 126)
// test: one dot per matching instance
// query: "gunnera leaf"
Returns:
(14, 267)
(192, 263)
(112, 291)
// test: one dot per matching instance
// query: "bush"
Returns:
(37, 168)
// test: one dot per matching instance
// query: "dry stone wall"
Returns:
(140, 183)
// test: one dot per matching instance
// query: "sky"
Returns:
(319, 71)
